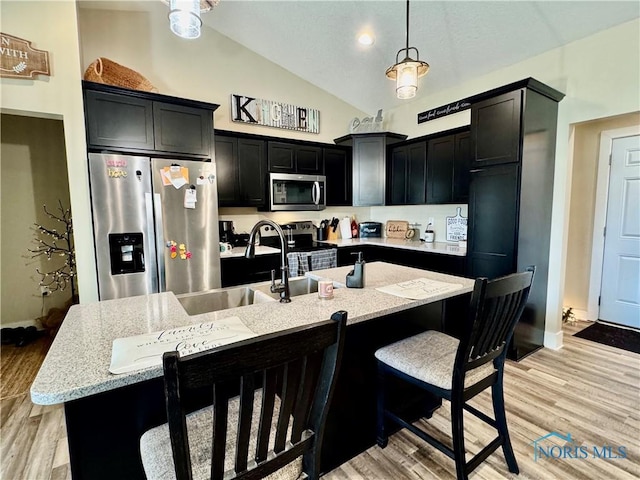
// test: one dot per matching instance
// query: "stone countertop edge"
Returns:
(239, 251)
(77, 364)
(442, 248)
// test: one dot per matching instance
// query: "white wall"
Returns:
(600, 76)
(209, 69)
(52, 26)
(34, 173)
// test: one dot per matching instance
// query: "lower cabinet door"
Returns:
(493, 220)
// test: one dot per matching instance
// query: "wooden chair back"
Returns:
(495, 308)
(298, 365)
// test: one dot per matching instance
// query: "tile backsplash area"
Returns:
(245, 218)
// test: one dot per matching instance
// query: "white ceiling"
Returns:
(316, 40)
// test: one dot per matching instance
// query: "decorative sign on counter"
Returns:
(269, 113)
(18, 59)
(456, 227)
(396, 229)
(143, 351)
(420, 288)
(444, 110)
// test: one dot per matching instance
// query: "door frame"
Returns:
(600, 215)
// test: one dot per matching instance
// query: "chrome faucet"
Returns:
(283, 287)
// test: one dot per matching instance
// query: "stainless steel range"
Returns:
(300, 236)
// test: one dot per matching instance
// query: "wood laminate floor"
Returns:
(586, 389)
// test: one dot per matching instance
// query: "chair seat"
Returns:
(429, 357)
(157, 458)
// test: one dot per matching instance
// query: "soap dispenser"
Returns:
(355, 278)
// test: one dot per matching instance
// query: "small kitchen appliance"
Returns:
(227, 233)
(292, 192)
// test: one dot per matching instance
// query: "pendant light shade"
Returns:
(184, 16)
(407, 71)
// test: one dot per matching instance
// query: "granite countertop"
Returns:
(415, 245)
(77, 363)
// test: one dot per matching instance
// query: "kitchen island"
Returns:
(107, 413)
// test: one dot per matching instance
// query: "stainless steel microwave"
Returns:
(290, 192)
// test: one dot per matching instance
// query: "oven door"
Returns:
(290, 192)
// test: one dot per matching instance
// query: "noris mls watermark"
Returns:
(543, 448)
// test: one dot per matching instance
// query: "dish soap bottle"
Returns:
(355, 278)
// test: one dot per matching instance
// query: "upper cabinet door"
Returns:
(309, 160)
(461, 167)
(226, 149)
(440, 169)
(252, 172)
(337, 167)
(397, 172)
(416, 173)
(281, 157)
(369, 170)
(119, 121)
(182, 129)
(495, 129)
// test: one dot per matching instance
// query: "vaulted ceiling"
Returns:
(316, 40)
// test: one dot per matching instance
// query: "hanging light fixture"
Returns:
(184, 16)
(407, 71)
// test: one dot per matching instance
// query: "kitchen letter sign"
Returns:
(19, 60)
(269, 113)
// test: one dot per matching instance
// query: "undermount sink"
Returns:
(222, 299)
(297, 286)
(215, 300)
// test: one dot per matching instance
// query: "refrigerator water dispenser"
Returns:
(126, 252)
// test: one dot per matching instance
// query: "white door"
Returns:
(620, 291)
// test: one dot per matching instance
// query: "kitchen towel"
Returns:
(302, 262)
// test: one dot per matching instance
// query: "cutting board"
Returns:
(396, 229)
(456, 227)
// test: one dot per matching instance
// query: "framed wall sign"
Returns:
(270, 113)
(18, 59)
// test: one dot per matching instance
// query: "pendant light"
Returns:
(184, 16)
(407, 71)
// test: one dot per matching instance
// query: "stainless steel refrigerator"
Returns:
(155, 224)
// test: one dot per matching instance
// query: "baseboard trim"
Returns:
(553, 340)
(581, 314)
(25, 323)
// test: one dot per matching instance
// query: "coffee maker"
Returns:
(227, 235)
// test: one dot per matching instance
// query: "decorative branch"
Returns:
(56, 243)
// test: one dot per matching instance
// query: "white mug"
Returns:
(325, 289)
(429, 236)
(225, 247)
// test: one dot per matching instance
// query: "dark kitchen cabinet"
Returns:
(495, 129)
(182, 129)
(295, 158)
(448, 163)
(337, 168)
(510, 195)
(369, 156)
(134, 121)
(407, 173)
(241, 171)
(119, 121)
(240, 270)
(461, 167)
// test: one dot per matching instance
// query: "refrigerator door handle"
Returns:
(148, 204)
(160, 246)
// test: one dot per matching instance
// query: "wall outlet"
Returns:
(45, 291)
